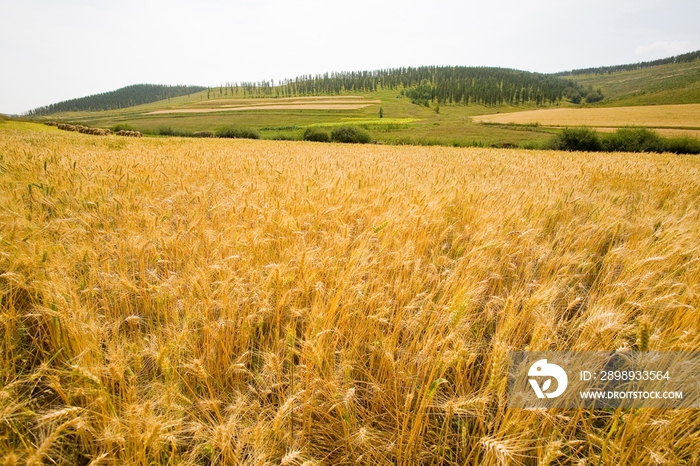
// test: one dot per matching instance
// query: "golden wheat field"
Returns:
(654, 116)
(661, 131)
(180, 301)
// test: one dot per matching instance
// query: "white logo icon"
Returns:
(542, 369)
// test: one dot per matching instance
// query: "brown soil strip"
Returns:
(327, 102)
(319, 106)
(268, 100)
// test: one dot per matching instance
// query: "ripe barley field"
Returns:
(654, 116)
(179, 301)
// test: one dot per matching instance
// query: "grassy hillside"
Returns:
(664, 97)
(179, 301)
(683, 58)
(425, 105)
(402, 122)
(437, 84)
(419, 106)
(676, 83)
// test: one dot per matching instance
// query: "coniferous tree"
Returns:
(454, 85)
(121, 98)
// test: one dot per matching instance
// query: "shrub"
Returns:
(581, 139)
(623, 140)
(203, 134)
(573, 95)
(243, 133)
(317, 135)
(683, 145)
(351, 134)
(633, 140)
(594, 96)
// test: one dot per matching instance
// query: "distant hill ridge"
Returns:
(684, 58)
(128, 96)
(441, 84)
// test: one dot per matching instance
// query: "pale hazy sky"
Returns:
(57, 50)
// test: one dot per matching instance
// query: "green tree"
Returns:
(351, 134)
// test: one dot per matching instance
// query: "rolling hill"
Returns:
(128, 96)
(424, 105)
(670, 82)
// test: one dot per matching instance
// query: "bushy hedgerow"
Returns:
(633, 140)
(317, 135)
(232, 132)
(683, 145)
(622, 140)
(576, 139)
(351, 134)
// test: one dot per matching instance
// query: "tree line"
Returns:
(128, 96)
(684, 58)
(441, 84)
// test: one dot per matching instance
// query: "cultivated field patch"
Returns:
(250, 101)
(284, 103)
(654, 116)
(662, 131)
(323, 106)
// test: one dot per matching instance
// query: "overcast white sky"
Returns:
(57, 50)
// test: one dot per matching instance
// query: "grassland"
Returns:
(677, 83)
(416, 124)
(180, 301)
